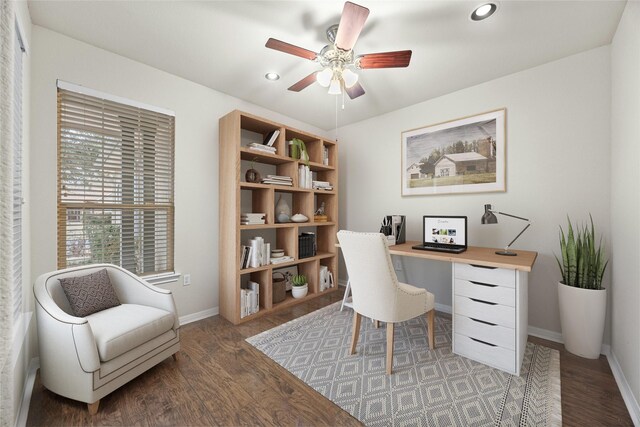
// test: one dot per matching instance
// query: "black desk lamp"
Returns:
(489, 218)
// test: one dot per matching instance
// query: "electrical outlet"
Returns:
(186, 280)
(397, 263)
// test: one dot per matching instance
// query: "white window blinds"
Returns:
(115, 184)
(17, 179)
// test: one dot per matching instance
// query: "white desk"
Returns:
(489, 303)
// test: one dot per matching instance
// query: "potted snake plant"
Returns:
(582, 299)
(299, 286)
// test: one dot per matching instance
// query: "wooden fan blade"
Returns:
(351, 23)
(297, 87)
(400, 58)
(354, 91)
(290, 49)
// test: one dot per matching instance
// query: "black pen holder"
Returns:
(394, 226)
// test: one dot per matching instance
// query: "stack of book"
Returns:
(306, 245)
(252, 218)
(249, 299)
(305, 179)
(282, 259)
(322, 185)
(262, 148)
(255, 254)
(278, 180)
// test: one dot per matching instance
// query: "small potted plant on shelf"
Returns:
(299, 150)
(299, 286)
(582, 299)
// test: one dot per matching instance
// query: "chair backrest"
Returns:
(373, 281)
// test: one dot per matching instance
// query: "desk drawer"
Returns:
(486, 292)
(491, 355)
(490, 333)
(493, 276)
(489, 312)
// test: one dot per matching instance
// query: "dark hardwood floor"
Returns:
(219, 379)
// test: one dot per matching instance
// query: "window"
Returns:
(115, 182)
(17, 178)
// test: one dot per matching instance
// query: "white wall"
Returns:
(197, 111)
(625, 197)
(558, 163)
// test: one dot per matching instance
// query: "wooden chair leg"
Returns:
(93, 407)
(356, 331)
(175, 356)
(389, 347)
(430, 321)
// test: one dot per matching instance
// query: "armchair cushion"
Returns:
(90, 293)
(125, 327)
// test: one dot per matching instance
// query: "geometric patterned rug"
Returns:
(427, 388)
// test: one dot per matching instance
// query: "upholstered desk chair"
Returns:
(87, 357)
(377, 294)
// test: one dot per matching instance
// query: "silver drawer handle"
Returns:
(483, 321)
(483, 302)
(483, 342)
(483, 266)
(483, 284)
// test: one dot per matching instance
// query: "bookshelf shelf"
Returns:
(237, 131)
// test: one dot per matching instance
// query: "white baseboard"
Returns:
(625, 389)
(557, 337)
(443, 308)
(23, 412)
(193, 317)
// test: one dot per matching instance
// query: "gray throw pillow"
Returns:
(89, 294)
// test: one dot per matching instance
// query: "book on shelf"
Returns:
(271, 137)
(244, 256)
(282, 177)
(249, 299)
(281, 260)
(277, 182)
(325, 156)
(252, 218)
(263, 148)
(305, 177)
(322, 185)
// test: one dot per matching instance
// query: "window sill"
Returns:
(162, 279)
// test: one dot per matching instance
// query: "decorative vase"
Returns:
(300, 291)
(295, 151)
(252, 175)
(582, 316)
(283, 210)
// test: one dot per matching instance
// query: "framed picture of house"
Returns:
(465, 155)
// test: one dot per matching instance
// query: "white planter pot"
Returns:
(582, 314)
(299, 291)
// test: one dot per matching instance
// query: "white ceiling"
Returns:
(220, 44)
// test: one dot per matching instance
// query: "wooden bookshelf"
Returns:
(237, 130)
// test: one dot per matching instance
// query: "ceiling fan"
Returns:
(338, 59)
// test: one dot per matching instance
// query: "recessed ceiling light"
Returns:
(483, 11)
(272, 76)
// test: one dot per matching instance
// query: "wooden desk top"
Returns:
(473, 255)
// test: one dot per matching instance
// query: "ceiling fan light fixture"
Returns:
(324, 77)
(334, 87)
(483, 11)
(349, 77)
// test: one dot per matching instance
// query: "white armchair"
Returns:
(86, 358)
(376, 292)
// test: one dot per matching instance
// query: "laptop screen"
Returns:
(445, 230)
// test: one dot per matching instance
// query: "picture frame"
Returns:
(465, 155)
(288, 273)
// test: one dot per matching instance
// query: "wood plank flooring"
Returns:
(219, 379)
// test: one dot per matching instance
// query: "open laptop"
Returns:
(444, 234)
